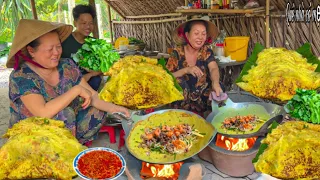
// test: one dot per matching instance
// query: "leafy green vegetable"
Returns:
(133, 40)
(305, 105)
(5, 51)
(96, 54)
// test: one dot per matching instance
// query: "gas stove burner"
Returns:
(189, 169)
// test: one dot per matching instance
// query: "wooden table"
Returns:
(229, 72)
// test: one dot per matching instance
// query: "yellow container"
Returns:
(236, 47)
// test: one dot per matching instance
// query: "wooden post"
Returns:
(95, 23)
(34, 10)
(267, 23)
(110, 22)
(164, 44)
(99, 20)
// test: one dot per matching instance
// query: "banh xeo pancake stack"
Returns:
(195, 136)
(277, 74)
(293, 152)
(138, 82)
(39, 148)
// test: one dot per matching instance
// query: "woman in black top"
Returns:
(83, 16)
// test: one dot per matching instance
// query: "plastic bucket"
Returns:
(236, 47)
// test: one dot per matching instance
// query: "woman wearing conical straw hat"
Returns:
(192, 62)
(44, 85)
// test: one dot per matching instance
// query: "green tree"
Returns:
(11, 12)
(47, 10)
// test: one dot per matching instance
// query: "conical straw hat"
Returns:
(212, 30)
(29, 30)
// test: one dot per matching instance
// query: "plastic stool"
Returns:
(88, 144)
(111, 131)
(147, 111)
(121, 139)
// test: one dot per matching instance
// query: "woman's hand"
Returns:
(194, 71)
(86, 95)
(217, 89)
(121, 109)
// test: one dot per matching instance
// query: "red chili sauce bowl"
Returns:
(99, 163)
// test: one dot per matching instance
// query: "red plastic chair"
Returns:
(121, 139)
(111, 131)
(112, 135)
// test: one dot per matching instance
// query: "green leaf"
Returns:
(251, 61)
(86, 47)
(273, 126)
(264, 146)
(261, 150)
(305, 51)
(97, 55)
(162, 62)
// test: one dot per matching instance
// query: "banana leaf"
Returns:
(304, 50)
(264, 146)
(162, 62)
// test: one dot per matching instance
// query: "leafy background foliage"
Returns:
(48, 10)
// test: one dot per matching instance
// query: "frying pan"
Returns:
(162, 158)
(265, 111)
(118, 116)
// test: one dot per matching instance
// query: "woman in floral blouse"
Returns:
(44, 85)
(192, 63)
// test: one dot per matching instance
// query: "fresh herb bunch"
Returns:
(96, 54)
(133, 40)
(305, 105)
(4, 51)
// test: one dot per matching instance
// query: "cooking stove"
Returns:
(190, 169)
(236, 163)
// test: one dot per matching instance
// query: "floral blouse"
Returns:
(196, 91)
(24, 81)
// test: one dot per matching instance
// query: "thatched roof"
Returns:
(144, 7)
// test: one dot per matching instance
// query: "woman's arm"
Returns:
(214, 72)
(89, 75)
(102, 105)
(36, 104)
(215, 77)
(180, 72)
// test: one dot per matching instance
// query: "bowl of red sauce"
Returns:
(99, 163)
